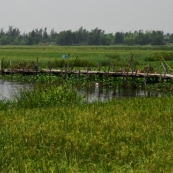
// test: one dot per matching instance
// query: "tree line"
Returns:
(83, 37)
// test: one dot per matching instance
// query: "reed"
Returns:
(122, 135)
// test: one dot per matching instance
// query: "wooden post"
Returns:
(79, 74)
(107, 74)
(127, 73)
(99, 66)
(64, 72)
(113, 69)
(131, 61)
(159, 71)
(134, 78)
(49, 67)
(123, 76)
(73, 63)
(11, 69)
(109, 66)
(101, 77)
(88, 75)
(165, 67)
(23, 67)
(36, 68)
(2, 67)
(146, 77)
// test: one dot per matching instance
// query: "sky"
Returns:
(109, 15)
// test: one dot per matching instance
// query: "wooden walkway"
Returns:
(89, 73)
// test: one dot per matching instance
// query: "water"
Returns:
(92, 93)
(8, 89)
(100, 93)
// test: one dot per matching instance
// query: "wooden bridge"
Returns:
(124, 73)
(88, 73)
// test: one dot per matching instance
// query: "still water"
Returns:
(99, 93)
(8, 89)
(92, 93)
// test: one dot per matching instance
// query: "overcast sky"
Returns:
(109, 15)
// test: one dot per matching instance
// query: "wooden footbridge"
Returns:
(123, 73)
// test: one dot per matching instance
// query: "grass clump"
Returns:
(46, 95)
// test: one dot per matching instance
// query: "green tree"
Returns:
(52, 35)
(94, 36)
(45, 36)
(157, 38)
(118, 38)
(80, 36)
(65, 38)
(4, 40)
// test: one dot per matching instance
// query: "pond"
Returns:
(92, 93)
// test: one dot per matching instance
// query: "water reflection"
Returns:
(100, 93)
(8, 88)
(92, 93)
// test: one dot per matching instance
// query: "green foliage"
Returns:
(87, 56)
(113, 56)
(160, 56)
(82, 37)
(61, 63)
(122, 135)
(46, 95)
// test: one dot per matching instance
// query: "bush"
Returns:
(45, 95)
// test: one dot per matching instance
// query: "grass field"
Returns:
(118, 55)
(49, 129)
(117, 136)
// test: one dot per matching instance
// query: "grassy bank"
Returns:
(122, 135)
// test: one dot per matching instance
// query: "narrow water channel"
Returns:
(100, 93)
(92, 93)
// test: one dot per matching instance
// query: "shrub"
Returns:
(45, 95)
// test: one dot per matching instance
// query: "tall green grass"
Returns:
(50, 130)
(87, 55)
(45, 95)
(122, 135)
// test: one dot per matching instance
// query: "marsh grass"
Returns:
(46, 95)
(117, 136)
(159, 56)
(92, 55)
(84, 80)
